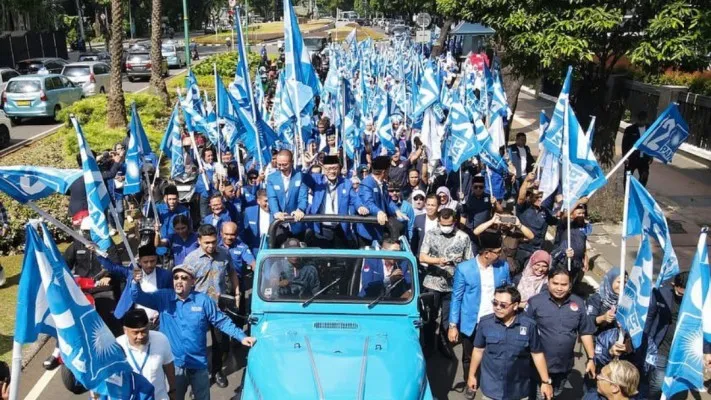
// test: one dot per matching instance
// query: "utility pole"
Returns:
(187, 34)
(81, 22)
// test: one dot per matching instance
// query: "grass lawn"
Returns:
(257, 33)
(8, 299)
(340, 34)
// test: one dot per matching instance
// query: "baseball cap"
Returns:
(188, 269)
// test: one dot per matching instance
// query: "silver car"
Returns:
(92, 76)
(4, 130)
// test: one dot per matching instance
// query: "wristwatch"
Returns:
(452, 325)
(549, 381)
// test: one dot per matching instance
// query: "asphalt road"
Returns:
(32, 127)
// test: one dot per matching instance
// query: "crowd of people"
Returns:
(500, 286)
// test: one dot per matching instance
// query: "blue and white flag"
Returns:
(685, 368)
(192, 97)
(172, 144)
(137, 127)
(195, 122)
(634, 302)
(543, 122)
(96, 194)
(243, 82)
(489, 152)
(499, 105)
(49, 301)
(428, 93)
(462, 142)
(25, 183)
(664, 137)
(550, 174)
(644, 216)
(352, 138)
(351, 40)
(384, 127)
(553, 136)
(297, 62)
(590, 133)
(134, 160)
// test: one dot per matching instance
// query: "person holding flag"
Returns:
(637, 161)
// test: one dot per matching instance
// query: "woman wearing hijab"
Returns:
(602, 305)
(534, 276)
(445, 200)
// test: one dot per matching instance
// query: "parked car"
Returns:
(138, 65)
(38, 96)
(210, 30)
(400, 32)
(35, 65)
(174, 54)
(315, 44)
(95, 56)
(5, 75)
(4, 129)
(92, 77)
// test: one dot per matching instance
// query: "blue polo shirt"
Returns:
(185, 323)
(559, 326)
(241, 257)
(166, 218)
(537, 220)
(506, 367)
(477, 210)
(181, 248)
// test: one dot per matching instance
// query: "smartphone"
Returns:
(508, 219)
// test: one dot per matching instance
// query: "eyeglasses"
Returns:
(499, 304)
(418, 198)
(183, 278)
(602, 377)
(393, 191)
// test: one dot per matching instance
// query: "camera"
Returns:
(508, 219)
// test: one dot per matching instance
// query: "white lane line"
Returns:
(41, 384)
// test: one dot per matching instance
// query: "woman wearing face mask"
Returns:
(602, 305)
(534, 276)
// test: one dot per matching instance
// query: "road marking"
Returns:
(41, 384)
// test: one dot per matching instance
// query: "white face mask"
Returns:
(446, 229)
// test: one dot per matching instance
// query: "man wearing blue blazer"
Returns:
(473, 289)
(287, 194)
(374, 196)
(333, 195)
(256, 222)
(383, 276)
(154, 279)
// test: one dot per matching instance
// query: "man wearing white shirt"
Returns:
(148, 352)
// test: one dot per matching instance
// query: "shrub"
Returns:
(226, 64)
(91, 113)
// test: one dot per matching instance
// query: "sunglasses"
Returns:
(499, 304)
(419, 198)
(183, 278)
(478, 187)
(393, 191)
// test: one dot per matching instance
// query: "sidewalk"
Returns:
(682, 189)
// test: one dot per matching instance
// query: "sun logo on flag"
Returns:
(102, 339)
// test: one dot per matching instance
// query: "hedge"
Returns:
(697, 82)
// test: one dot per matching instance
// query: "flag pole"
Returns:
(69, 231)
(566, 173)
(119, 227)
(623, 245)
(199, 159)
(15, 371)
(217, 116)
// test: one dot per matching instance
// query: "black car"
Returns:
(35, 65)
(95, 56)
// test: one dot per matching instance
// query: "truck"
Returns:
(351, 336)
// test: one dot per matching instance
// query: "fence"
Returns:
(20, 45)
(696, 110)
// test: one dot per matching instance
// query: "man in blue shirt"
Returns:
(477, 208)
(249, 191)
(242, 258)
(287, 195)
(561, 318)
(183, 241)
(185, 316)
(219, 215)
(208, 156)
(537, 218)
(169, 209)
(211, 265)
(505, 344)
(232, 202)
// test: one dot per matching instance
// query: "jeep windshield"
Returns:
(308, 278)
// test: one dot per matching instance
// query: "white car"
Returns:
(92, 76)
(4, 130)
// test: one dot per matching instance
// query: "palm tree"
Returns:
(157, 82)
(116, 107)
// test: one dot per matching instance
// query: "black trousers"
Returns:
(467, 348)
(220, 349)
(432, 337)
(642, 167)
(331, 237)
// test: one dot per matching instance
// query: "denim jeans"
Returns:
(559, 381)
(197, 379)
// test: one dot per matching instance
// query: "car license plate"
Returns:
(23, 103)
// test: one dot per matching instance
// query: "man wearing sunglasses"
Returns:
(186, 316)
(505, 344)
(477, 208)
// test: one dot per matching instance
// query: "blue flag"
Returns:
(664, 137)
(489, 152)
(134, 160)
(584, 175)
(192, 97)
(243, 82)
(553, 136)
(384, 127)
(297, 62)
(634, 302)
(24, 183)
(172, 144)
(428, 93)
(462, 144)
(644, 216)
(96, 194)
(137, 128)
(685, 369)
(88, 348)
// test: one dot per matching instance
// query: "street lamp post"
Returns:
(187, 34)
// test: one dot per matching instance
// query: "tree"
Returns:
(157, 83)
(116, 108)
(542, 37)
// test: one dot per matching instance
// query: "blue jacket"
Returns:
(466, 292)
(164, 280)
(371, 279)
(348, 200)
(295, 198)
(407, 209)
(166, 218)
(375, 198)
(250, 233)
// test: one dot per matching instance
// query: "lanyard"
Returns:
(148, 353)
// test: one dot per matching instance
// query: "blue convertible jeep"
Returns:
(336, 323)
